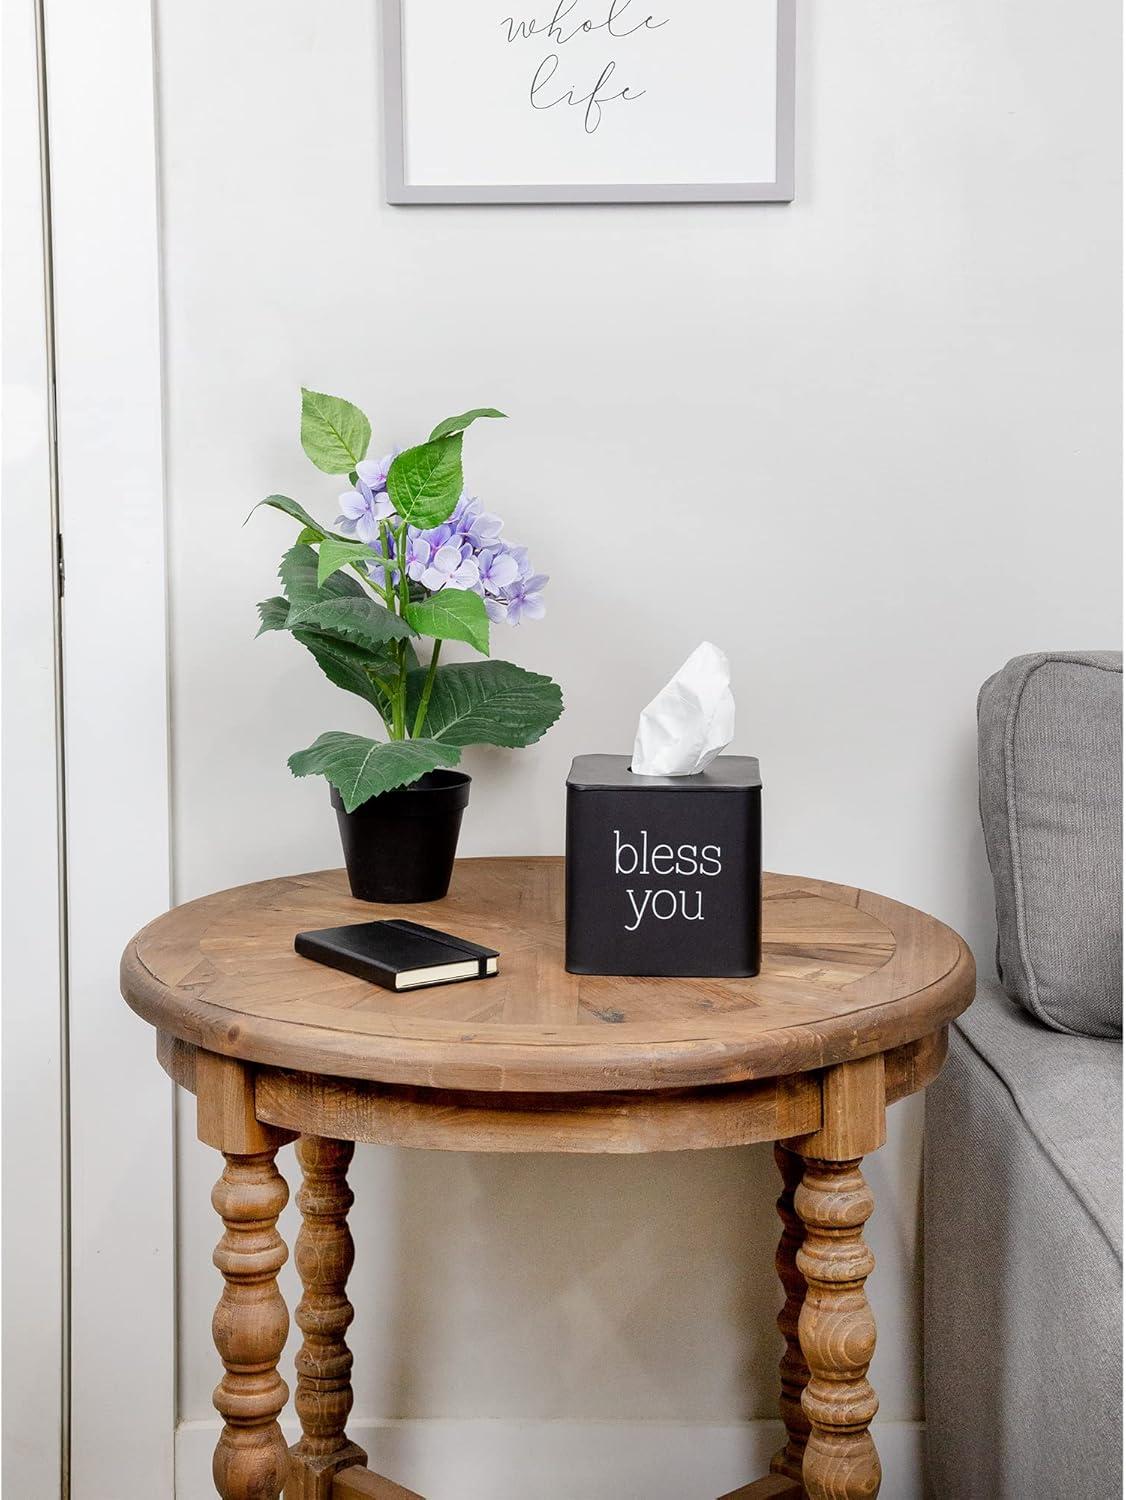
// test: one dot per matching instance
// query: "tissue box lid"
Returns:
(727, 773)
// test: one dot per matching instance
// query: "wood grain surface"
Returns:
(792, 1369)
(846, 974)
(361, 1484)
(249, 1328)
(773, 1487)
(837, 1332)
(324, 1254)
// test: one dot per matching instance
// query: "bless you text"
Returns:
(645, 860)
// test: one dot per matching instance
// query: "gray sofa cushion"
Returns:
(1022, 1244)
(1067, 1091)
(1050, 763)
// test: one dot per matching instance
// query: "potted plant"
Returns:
(413, 559)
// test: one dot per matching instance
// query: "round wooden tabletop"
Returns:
(845, 974)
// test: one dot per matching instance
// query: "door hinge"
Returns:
(61, 563)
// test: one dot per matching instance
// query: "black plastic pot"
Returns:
(401, 846)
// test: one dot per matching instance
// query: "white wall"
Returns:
(880, 429)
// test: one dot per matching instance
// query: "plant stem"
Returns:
(388, 564)
(404, 581)
(394, 732)
(398, 698)
(428, 688)
(401, 608)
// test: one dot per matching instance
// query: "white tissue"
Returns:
(690, 720)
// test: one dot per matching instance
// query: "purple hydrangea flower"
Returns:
(374, 471)
(367, 503)
(522, 597)
(499, 570)
(419, 552)
(524, 601)
(469, 523)
(458, 514)
(522, 560)
(451, 567)
(376, 571)
(484, 529)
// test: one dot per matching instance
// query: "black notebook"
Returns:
(399, 955)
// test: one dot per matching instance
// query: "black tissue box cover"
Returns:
(664, 873)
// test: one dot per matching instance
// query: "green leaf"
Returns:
(314, 531)
(425, 482)
(341, 605)
(467, 418)
(486, 703)
(364, 621)
(452, 615)
(340, 552)
(298, 574)
(350, 667)
(334, 433)
(273, 614)
(354, 668)
(360, 768)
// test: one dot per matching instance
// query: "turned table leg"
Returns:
(836, 1326)
(324, 1257)
(250, 1327)
(793, 1370)
(251, 1321)
(838, 1332)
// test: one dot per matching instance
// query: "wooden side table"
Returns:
(849, 1014)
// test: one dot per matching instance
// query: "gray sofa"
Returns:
(1022, 1163)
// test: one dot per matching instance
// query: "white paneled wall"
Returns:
(866, 443)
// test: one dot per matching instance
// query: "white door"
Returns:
(31, 972)
(89, 1274)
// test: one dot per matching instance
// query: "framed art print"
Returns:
(589, 101)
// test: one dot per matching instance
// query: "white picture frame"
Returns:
(466, 101)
